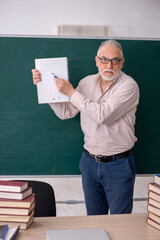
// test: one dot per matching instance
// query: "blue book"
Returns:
(3, 231)
(157, 179)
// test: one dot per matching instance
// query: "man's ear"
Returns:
(122, 62)
(96, 59)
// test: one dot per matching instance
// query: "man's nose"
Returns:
(109, 65)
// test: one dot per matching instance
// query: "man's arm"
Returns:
(62, 110)
(125, 98)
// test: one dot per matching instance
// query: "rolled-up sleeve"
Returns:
(64, 110)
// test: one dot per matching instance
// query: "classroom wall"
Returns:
(127, 18)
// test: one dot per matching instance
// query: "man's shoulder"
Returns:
(128, 80)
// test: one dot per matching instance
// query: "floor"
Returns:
(69, 193)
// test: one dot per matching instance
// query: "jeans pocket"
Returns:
(121, 170)
(131, 163)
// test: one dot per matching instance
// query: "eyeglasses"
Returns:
(105, 60)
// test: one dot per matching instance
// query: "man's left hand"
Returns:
(64, 86)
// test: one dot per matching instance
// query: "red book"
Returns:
(153, 223)
(24, 203)
(17, 211)
(16, 195)
(13, 186)
(26, 225)
(16, 218)
(153, 210)
(154, 187)
(154, 196)
(22, 225)
(154, 203)
(154, 217)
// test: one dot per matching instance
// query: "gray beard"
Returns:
(111, 78)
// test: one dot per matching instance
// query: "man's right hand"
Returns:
(36, 76)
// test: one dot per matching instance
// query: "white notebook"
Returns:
(77, 234)
(47, 89)
(11, 233)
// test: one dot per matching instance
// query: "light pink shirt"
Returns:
(107, 119)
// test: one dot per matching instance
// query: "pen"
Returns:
(54, 75)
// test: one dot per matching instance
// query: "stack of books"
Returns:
(154, 203)
(17, 203)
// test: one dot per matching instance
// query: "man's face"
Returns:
(109, 71)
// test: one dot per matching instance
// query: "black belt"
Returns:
(104, 159)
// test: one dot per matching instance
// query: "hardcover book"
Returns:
(154, 203)
(17, 211)
(154, 210)
(13, 186)
(22, 225)
(157, 179)
(154, 187)
(16, 218)
(153, 223)
(24, 203)
(154, 196)
(3, 231)
(26, 225)
(154, 217)
(16, 195)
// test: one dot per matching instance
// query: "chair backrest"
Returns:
(45, 205)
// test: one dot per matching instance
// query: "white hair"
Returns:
(110, 43)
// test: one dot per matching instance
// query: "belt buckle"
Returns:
(97, 159)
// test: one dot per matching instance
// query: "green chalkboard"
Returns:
(33, 141)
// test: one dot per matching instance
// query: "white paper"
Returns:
(46, 89)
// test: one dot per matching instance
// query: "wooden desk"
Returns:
(119, 227)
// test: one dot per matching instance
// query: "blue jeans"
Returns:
(108, 186)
